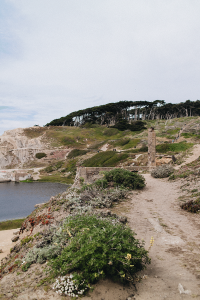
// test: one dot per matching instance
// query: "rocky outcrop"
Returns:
(16, 148)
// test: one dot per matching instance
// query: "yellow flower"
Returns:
(123, 275)
(69, 233)
(128, 256)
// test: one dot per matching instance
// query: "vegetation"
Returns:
(173, 147)
(76, 152)
(162, 171)
(192, 206)
(63, 172)
(11, 224)
(125, 143)
(122, 114)
(105, 159)
(188, 135)
(34, 132)
(40, 155)
(99, 249)
(123, 178)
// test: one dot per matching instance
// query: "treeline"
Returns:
(124, 114)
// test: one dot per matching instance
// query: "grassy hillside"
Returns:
(93, 145)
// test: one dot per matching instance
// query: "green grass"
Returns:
(79, 137)
(56, 178)
(174, 147)
(126, 143)
(105, 159)
(188, 135)
(11, 224)
(76, 152)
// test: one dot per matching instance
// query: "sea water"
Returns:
(17, 200)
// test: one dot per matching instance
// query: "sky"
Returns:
(60, 56)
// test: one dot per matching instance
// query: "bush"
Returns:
(192, 206)
(99, 249)
(76, 152)
(105, 159)
(125, 178)
(40, 155)
(162, 171)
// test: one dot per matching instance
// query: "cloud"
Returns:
(60, 56)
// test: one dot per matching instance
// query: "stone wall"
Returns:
(90, 174)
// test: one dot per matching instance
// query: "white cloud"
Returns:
(60, 56)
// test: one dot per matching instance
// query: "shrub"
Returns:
(40, 155)
(162, 171)
(49, 169)
(76, 152)
(99, 249)
(125, 178)
(192, 206)
(105, 159)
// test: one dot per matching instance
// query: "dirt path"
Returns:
(175, 254)
(195, 154)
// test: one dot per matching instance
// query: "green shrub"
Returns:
(76, 152)
(49, 169)
(59, 164)
(125, 178)
(162, 171)
(105, 159)
(40, 155)
(99, 249)
(26, 240)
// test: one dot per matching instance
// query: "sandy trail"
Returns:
(195, 154)
(5, 242)
(175, 254)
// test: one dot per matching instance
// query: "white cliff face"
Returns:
(16, 148)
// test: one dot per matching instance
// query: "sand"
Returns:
(5, 241)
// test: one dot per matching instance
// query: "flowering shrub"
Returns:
(98, 248)
(65, 285)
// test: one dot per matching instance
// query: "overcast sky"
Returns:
(58, 56)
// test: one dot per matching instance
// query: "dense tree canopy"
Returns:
(124, 114)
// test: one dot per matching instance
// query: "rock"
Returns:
(15, 238)
(39, 204)
(123, 219)
(16, 232)
(16, 248)
(1, 251)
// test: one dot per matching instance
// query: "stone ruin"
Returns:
(151, 148)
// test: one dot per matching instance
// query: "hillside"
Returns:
(44, 152)
(162, 209)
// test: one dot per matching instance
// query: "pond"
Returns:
(17, 200)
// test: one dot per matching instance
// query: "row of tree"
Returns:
(127, 112)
